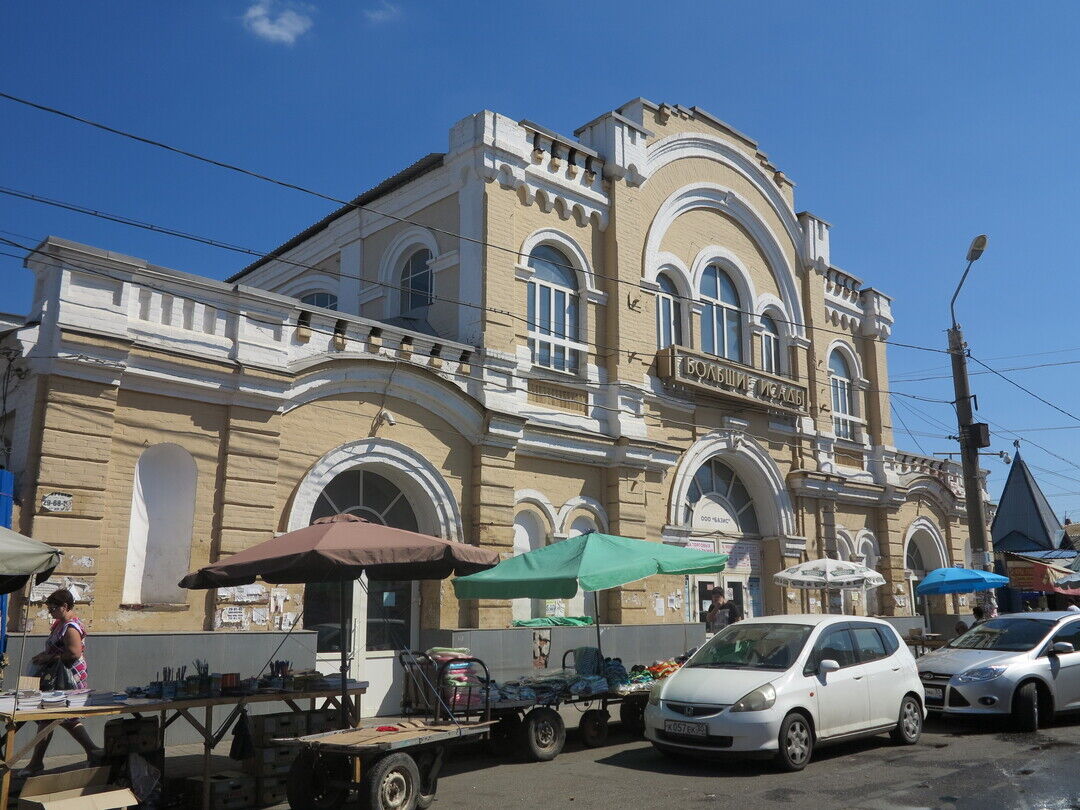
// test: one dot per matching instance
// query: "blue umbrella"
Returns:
(960, 580)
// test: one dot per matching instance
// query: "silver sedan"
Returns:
(1026, 665)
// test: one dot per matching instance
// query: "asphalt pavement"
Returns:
(957, 764)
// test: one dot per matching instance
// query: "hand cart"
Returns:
(593, 725)
(397, 765)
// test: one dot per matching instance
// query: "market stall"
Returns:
(591, 562)
(827, 574)
(27, 707)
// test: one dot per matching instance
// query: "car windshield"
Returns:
(1007, 635)
(753, 646)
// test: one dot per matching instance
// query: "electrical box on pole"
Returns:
(979, 434)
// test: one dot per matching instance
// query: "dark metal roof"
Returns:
(1024, 520)
(421, 167)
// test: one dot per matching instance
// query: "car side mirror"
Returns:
(827, 666)
(1062, 648)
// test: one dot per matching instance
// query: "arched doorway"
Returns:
(924, 551)
(389, 622)
(718, 506)
(389, 483)
(529, 535)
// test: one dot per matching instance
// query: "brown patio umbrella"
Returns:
(339, 549)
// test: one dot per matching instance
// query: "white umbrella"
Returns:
(829, 574)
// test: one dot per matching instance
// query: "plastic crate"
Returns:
(269, 790)
(134, 735)
(274, 761)
(265, 727)
(229, 790)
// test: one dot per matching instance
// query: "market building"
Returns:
(531, 335)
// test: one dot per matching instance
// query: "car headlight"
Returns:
(760, 699)
(654, 695)
(979, 675)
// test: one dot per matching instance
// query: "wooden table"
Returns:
(169, 711)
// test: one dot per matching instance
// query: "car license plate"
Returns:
(934, 692)
(686, 729)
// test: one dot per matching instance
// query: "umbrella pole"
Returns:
(596, 608)
(346, 642)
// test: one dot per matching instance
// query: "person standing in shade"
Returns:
(980, 615)
(722, 612)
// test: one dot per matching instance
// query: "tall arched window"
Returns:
(160, 531)
(843, 404)
(770, 345)
(553, 310)
(416, 284)
(529, 535)
(721, 320)
(320, 299)
(668, 314)
(718, 501)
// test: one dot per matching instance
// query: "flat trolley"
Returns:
(396, 766)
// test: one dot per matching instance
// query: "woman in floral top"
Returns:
(65, 643)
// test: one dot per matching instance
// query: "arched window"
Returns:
(668, 314)
(320, 299)
(529, 535)
(718, 501)
(721, 319)
(389, 602)
(553, 310)
(416, 284)
(160, 531)
(770, 345)
(843, 404)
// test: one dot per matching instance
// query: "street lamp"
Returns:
(972, 435)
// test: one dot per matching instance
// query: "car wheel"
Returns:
(796, 742)
(1025, 712)
(594, 727)
(909, 724)
(393, 783)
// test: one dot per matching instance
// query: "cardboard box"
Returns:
(271, 761)
(266, 727)
(229, 790)
(136, 735)
(85, 789)
(270, 790)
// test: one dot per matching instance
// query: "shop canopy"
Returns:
(959, 580)
(1029, 574)
(341, 548)
(22, 558)
(591, 561)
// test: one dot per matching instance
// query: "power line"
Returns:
(1028, 391)
(657, 422)
(977, 373)
(909, 433)
(352, 204)
(907, 374)
(630, 353)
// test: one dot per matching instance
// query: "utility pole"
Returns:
(972, 435)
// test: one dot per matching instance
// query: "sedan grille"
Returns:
(694, 709)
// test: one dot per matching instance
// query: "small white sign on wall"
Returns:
(57, 502)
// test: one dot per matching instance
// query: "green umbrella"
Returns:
(591, 561)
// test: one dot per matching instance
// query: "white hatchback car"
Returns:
(779, 685)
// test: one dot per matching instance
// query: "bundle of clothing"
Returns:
(460, 683)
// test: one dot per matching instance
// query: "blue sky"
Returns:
(909, 126)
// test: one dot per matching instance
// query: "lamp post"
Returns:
(972, 435)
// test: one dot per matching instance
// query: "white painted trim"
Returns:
(718, 198)
(686, 145)
(754, 466)
(403, 245)
(923, 523)
(309, 282)
(540, 501)
(567, 245)
(587, 504)
(428, 493)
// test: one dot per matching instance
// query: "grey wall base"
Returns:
(508, 652)
(116, 660)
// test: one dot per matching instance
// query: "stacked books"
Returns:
(105, 697)
(77, 697)
(27, 699)
(54, 700)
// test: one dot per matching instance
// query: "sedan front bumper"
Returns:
(992, 697)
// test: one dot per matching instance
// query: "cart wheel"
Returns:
(632, 715)
(392, 783)
(594, 727)
(542, 735)
(317, 783)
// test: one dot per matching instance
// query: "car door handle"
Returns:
(856, 677)
(896, 669)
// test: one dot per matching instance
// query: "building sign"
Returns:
(713, 514)
(57, 502)
(702, 545)
(744, 556)
(715, 375)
